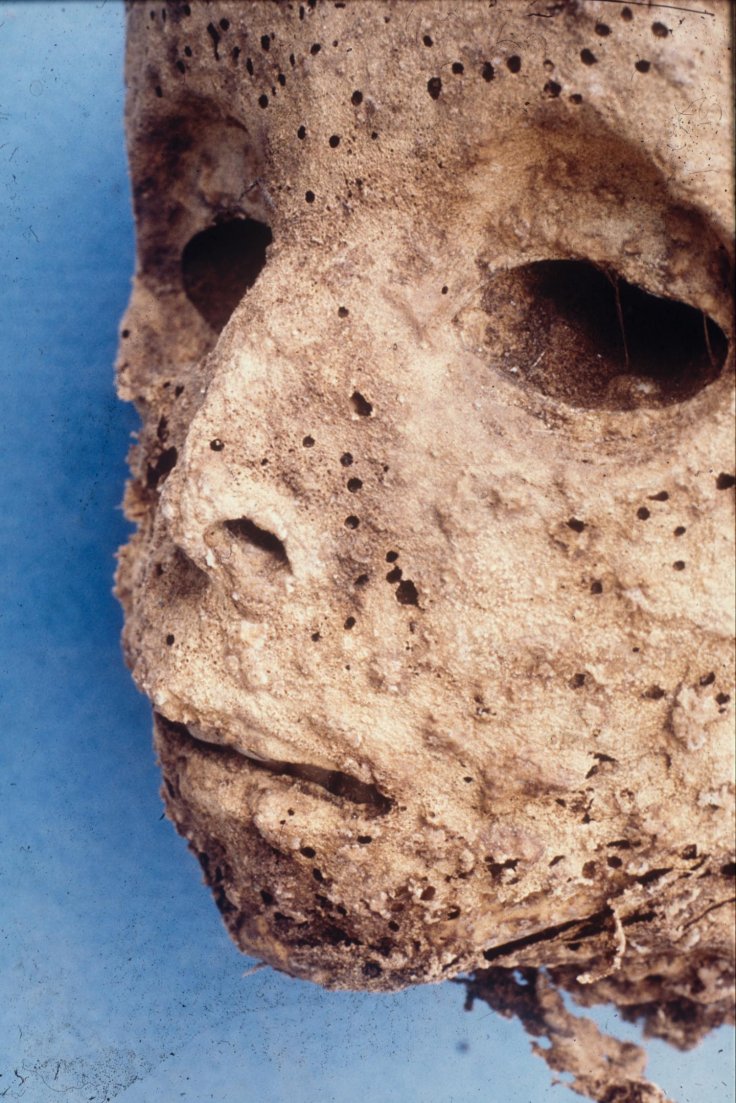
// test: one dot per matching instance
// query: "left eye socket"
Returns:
(221, 263)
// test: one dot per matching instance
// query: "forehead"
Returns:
(395, 101)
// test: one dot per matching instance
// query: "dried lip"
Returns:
(335, 782)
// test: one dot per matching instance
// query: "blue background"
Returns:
(119, 980)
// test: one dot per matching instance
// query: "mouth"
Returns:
(336, 783)
(288, 849)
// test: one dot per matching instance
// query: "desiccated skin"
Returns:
(432, 586)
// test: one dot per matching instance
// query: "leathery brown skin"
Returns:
(431, 689)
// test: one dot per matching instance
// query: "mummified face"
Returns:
(430, 334)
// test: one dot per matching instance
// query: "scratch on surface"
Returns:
(650, 4)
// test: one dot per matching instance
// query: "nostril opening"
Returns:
(248, 532)
(221, 263)
(588, 337)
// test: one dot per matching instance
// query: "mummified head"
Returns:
(431, 335)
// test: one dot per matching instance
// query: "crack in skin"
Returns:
(591, 925)
(712, 908)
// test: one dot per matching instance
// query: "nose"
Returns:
(223, 510)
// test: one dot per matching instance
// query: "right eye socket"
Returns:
(588, 337)
(221, 263)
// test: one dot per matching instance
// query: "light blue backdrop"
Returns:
(118, 979)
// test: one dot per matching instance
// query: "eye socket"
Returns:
(590, 338)
(221, 263)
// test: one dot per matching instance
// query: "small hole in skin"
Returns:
(487, 72)
(659, 30)
(602, 29)
(660, 496)
(575, 524)
(349, 623)
(308, 851)
(216, 445)
(346, 459)
(406, 593)
(725, 481)
(680, 530)
(679, 565)
(643, 513)
(427, 40)
(352, 521)
(434, 87)
(308, 442)
(354, 485)
(309, 196)
(360, 404)
(169, 640)
(301, 132)
(458, 68)
(643, 66)
(392, 556)
(513, 63)
(357, 98)
(596, 587)
(334, 141)
(588, 57)
(342, 312)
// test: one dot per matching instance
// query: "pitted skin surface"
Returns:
(438, 681)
